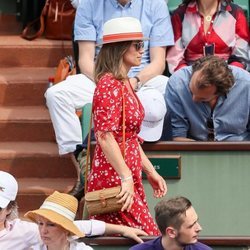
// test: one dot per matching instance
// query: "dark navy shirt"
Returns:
(156, 245)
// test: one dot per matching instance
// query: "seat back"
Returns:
(85, 119)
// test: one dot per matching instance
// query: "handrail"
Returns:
(208, 240)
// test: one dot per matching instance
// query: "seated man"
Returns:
(73, 93)
(209, 101)
(179, 226)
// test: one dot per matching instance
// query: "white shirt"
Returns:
(74, 245)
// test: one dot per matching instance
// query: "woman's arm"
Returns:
(114, 156)
(125, 231)
(239, 56)
(97, 227)
(156, 181)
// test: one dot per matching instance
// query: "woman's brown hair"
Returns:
(110, 59)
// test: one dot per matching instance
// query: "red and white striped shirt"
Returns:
(228, 31)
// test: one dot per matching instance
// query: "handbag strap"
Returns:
(89, 139)
(28, 28)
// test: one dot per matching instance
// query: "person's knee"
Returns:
(54, 95)
(49, 94)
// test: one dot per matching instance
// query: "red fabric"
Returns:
(107, 108)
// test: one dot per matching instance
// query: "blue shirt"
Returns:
(231, 115)
(156, 245)
(153, 15)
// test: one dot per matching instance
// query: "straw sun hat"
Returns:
(122, 29)
(60, 209)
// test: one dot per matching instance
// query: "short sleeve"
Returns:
(91, 227)
(84, 29)
(162, 32)
(107, 104)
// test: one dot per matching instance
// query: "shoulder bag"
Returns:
(56, 21)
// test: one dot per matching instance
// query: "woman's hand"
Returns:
(158, 184)
(132, 233)
(127, 194)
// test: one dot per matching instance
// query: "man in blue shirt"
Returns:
(209, 101)
(73, 93)
(179, 226)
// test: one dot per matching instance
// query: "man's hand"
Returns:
(134, 82)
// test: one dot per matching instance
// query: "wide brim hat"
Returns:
(122, 29)
(8, 189)
(155, 110)
(60, 209)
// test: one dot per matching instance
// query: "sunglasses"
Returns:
(210, 128)
(138, 45)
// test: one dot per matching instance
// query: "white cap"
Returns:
(155, 111)
(8, 189)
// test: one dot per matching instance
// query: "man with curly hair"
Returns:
(209, 101)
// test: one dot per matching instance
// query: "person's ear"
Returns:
(171, 232)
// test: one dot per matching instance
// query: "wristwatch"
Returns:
(139, 84)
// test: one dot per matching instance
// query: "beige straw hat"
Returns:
(122, 29)
(60, 209)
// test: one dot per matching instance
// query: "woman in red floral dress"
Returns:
(121, 50)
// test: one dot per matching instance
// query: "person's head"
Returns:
(55, 218)
(177, 220)
(122, 47)
(8, 193)
(211, 77)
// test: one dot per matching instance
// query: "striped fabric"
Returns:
(228, 31)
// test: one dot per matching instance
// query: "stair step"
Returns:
(28, 123)
(33, 191)
(9, 24)
(24, 86)
(18, 52)
(35, 160)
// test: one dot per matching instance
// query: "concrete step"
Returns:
(24, 86)
(35, 160)
(18, 52)
(9, 25)
(27, 123)
(33, 191)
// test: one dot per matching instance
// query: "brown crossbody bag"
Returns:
(104, 200)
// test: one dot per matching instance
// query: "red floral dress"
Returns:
(107, 114)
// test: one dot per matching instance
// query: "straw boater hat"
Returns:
(122, 29)
(60, 209)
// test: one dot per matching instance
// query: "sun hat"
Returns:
(155, 111)
(8, 189)
(122, 29)
(60, 209)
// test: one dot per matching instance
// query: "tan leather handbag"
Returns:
(56, 21)
(104, 201)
